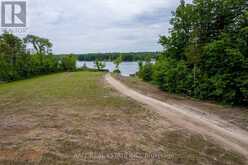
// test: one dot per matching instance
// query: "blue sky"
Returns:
(82, 26)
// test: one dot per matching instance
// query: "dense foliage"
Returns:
(206, 53)
(17, 62)
(68, 63)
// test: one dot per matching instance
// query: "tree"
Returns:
(69, 63)
(117, 63)
(181, 23)
(99, 65)
(225, 66)
(41, 45)
(146, 69)
(205, 54)
(11, 47)
(17, 63)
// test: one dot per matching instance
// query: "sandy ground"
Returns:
(219, 130)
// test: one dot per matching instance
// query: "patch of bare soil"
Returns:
(223, 132)
(237, 116)
(111, 129)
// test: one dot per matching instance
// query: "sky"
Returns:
(91, 26)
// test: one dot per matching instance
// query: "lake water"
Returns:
(126, 68)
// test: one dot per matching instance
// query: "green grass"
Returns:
(79, 88)
(53, 119)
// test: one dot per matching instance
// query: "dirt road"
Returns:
(230, 136)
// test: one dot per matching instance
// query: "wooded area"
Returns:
(17, 62)
(206, 53)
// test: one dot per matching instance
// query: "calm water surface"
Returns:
(126, 68)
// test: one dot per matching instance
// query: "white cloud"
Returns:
(101, 25)
(129, 8)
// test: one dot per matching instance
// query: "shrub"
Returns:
(68, 63)
(99, 65)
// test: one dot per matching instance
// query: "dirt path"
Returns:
(224, 133)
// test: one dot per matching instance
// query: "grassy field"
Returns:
(76, 118)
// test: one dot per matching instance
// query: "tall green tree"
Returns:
(205, 54)
(11, 47)
(117, 63)
(41, 45)
(180, 32)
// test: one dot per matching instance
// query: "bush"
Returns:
(100, 65)
(117, 71)
(145, 72)
(226, 68)
(68, 63)
(173, 76)
(7, 72)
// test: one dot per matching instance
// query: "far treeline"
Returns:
(206, 54)
(132, 56)
(17, 62)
